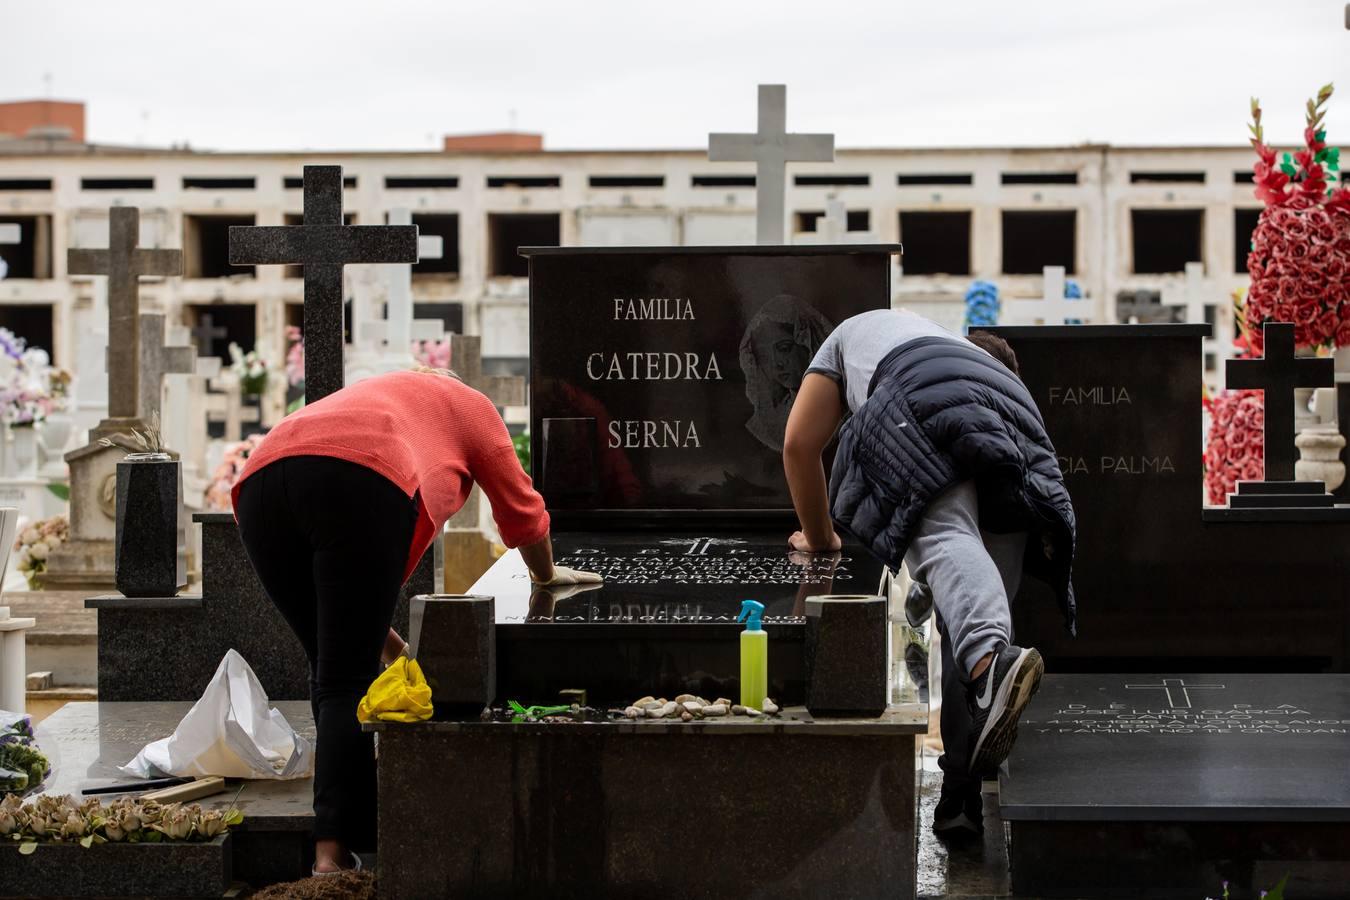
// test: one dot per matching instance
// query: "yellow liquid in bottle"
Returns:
(754, 668)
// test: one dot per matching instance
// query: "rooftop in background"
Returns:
(496, 141)
(43, 119)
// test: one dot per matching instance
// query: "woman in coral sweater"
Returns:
(335, 508)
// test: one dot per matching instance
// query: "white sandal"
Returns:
(356, 867)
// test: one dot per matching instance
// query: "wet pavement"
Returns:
(977, 869)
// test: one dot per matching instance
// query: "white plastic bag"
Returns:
(231, 732)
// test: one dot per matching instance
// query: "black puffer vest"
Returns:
(941, 412)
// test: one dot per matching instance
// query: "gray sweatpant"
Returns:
(973, 576)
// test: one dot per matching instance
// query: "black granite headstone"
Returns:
(1167, 785)
(1163, 583)
(661, 379)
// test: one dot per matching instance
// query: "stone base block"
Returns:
(81, 565)
(118, 870)
(1178, 859)
(596, 812)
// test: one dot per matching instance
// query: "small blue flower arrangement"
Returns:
(982, 305)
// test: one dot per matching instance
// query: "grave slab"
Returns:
(1167, 785)
(93, 739)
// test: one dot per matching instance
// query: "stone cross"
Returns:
(205, 332)
(771, 148)
(323, 245)
(1053, 308)
(1277, 374)
(228, 406)
(1191, 297)
(466, 359)
(158, 360)
(10, 233)
(832, 227)
(125, 264)
(399, 329)
(1178, 691)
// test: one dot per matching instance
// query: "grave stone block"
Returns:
(454, 639)
(846, 663)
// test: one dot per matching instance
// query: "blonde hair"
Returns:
(432, 370)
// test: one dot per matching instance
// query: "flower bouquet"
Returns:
(31, 388)
(227, 473)
(1235, 450)
(23, 767)
(35, 543)
(49, 819)
(1300, 256)
(982, 305)
(251, 370)
(434, 354)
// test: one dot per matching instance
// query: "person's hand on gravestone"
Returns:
(564, 577)
(802, 544)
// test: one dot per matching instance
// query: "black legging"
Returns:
(329, 540)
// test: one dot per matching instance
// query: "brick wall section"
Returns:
(501, 141)
(20, 117)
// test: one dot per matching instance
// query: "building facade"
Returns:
(1123, 221)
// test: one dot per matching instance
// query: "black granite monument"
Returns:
(661, 380)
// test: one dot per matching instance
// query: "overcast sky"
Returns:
(394, 74)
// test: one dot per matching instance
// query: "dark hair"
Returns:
(996, 347)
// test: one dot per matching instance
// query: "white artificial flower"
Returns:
(40, 550)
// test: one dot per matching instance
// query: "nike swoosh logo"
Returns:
(988, 697)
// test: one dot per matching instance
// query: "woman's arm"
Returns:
(539, 559)
(815, 417)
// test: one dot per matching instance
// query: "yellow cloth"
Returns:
(400, 694)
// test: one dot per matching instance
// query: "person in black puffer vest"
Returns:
(943, 465)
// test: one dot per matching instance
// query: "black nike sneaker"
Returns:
(996, 700)
(959, 814)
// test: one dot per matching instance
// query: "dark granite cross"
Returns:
(206, 331)
(323, 245)
(1278, 373)
(124, 263)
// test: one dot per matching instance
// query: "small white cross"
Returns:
(1178, 696)
(1191, 296)
(1052, 308)
(771, 148)
(399, 329)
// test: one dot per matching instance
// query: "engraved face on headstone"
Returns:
(778, 345)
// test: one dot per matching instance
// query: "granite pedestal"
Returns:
(274, 844)
(1168, 785)
(141, 639)
(722, 808)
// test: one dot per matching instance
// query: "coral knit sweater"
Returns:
(432, 436)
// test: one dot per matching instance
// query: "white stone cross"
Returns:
(771, 148)
(1053, 308)
(186, 414)
(1190, 296)
(1178, 691)
(833, 226)
(10, 233)
(399, 328)
(228, 406)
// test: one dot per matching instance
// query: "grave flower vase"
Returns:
(55, 437)
(846, 660)
(147, 525)
(24, 451)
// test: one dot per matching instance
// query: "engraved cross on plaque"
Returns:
(124, 263)
(1277, 374)
(771, 148)
(699, 546)
(323, 245)
(1178, 691)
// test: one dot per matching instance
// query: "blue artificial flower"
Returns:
(982, 305)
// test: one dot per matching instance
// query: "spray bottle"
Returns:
(754, 655)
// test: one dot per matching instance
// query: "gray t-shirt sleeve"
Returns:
(828, 360)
